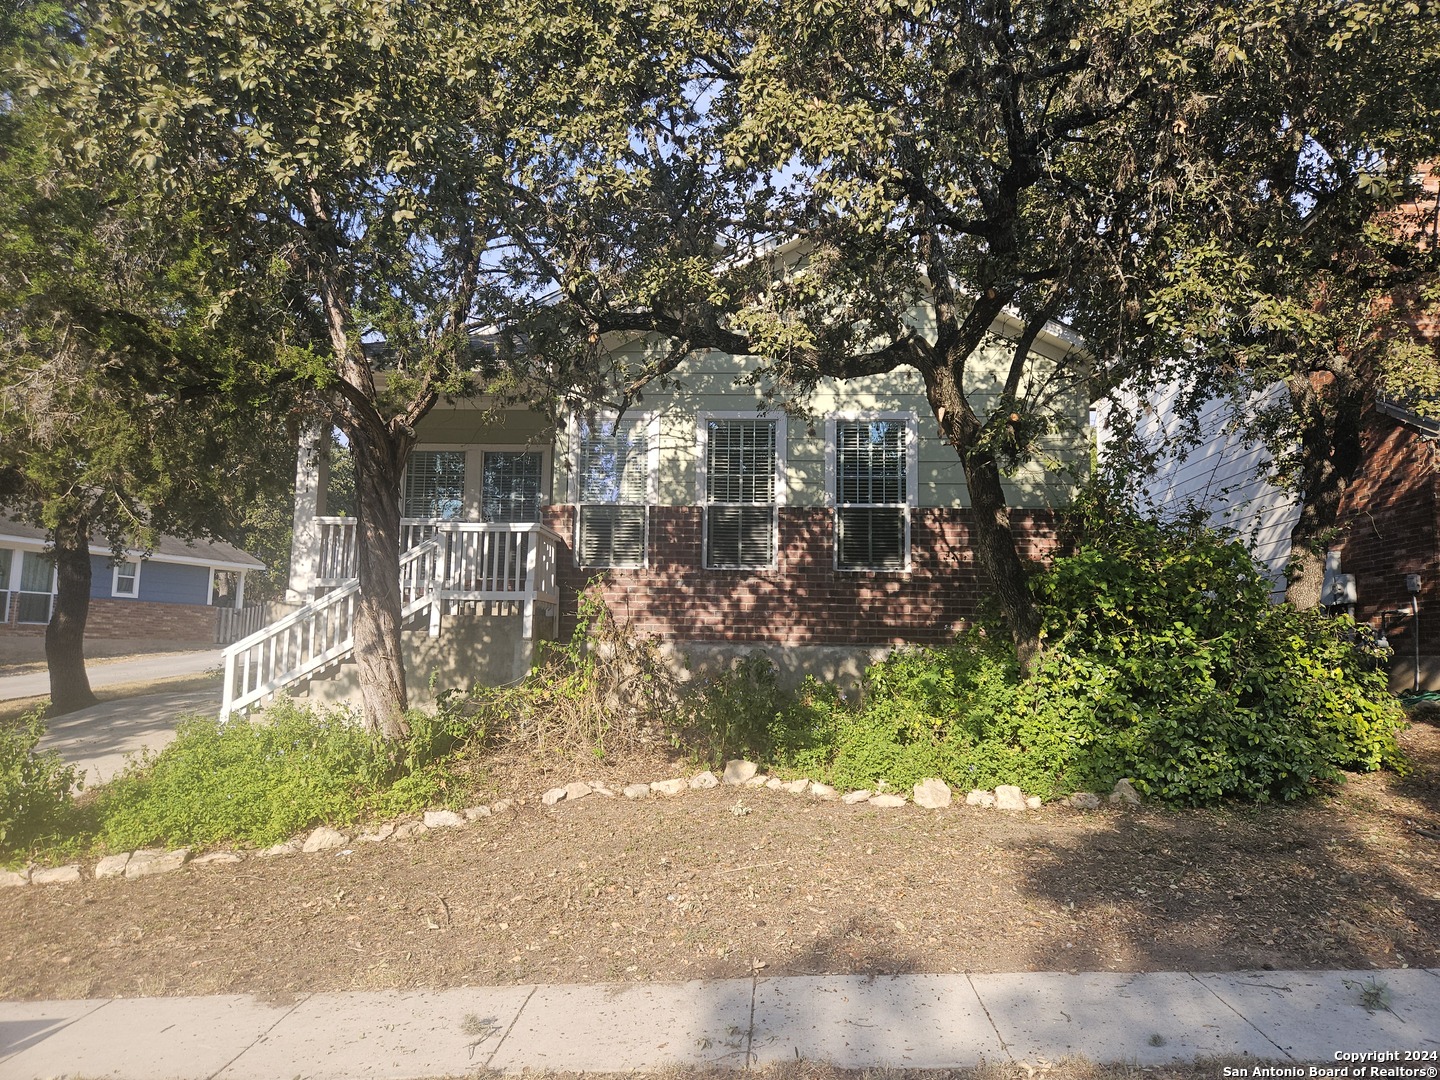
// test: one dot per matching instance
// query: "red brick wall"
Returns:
(1389, 520)
(804, 600)
(144, 619)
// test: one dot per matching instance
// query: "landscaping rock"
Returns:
(598, 787)
(502, 806)
(475, 813)
(636, 791)
(410, 830)
(1124, 794)
(553, 796)
(375, 836)
(1085, 800)
(1009, 797)
(758, 781)
(774, 783)
(668, 787)
(287, 848)
(979, 798)
(738, 771)
(1032, 802)
(888, 801)
(933, 794)
(822, 791)
(577, 791)
(324, 838)
(855, 797)
(795, 787)
(703, 781)
(164, 863)
(11, 878)
(112, 866)
(217, 858)
(55, 875)
(442, 819)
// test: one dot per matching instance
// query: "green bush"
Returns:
(263, 781)
(1164, 660)
(35, 786)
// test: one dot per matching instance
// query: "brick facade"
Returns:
(804, 600)
(1390, 527)
(135, 619)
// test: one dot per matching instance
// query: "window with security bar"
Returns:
(435, 484)
(872, 511)
(740, 503)
(613, 478)
(510, 485)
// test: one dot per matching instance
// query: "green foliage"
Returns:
(1165, 662)
(35, 785)
(261, 782)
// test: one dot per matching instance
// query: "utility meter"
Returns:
(1412, 583)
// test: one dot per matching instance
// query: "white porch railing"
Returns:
(444, 564)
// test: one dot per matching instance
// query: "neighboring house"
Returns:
(1223, 473)
(704, 517)
(171, 593)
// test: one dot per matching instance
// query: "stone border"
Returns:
(932, 794)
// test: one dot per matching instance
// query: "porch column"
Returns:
(240, 591)
(312, 474)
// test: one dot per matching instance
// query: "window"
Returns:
(127, 579)
(741, 459)
(434, 484)
(510, 488)
(612, 472)
(37, 588)
(872, 492)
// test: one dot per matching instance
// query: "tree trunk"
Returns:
(378, 610)
(1329, 455)
(998, 556)
(65, 636)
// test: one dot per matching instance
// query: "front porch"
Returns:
(481, 592)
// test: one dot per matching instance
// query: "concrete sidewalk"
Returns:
(102, 738)
(906, 1021)
(114, 673)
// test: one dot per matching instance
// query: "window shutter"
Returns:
(612, 535)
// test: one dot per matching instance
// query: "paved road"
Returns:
(905, 1021)
(140, 669)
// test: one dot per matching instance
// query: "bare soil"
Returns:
(726, 882)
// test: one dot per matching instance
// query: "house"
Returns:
(173, 593)
(704, 517)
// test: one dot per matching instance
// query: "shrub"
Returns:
(263, 781)
(1166, 662)
(605, 689)
(35, 785)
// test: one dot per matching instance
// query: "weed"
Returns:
(35, 785)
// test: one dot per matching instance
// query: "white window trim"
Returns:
(912, 471)
(651, 422)
(115, 592)
(701, 478)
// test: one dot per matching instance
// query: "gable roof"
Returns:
(171, 549)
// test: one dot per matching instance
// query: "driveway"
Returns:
(100, 738)
(137, 669)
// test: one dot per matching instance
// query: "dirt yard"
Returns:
(724, 882)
